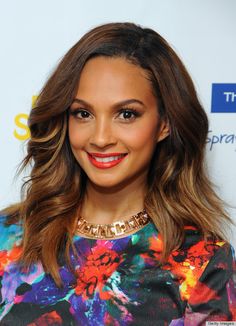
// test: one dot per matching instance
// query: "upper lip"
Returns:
(106, 155)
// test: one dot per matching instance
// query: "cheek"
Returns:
(143, 138)
(75, 135)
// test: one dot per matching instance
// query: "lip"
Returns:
(105, 165)
(105, 155)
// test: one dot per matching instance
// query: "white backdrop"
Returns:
(36, 34)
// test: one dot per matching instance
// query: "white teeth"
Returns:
(107, 159)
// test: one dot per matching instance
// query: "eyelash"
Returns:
(123, 110)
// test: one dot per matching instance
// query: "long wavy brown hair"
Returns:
(179, 193)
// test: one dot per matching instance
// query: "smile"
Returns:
(104, 161)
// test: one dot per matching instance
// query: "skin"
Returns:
(118, 192)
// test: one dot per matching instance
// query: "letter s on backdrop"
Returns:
(23, 132)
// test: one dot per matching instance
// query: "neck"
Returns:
(107, 205)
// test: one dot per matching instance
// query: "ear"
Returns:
(163, 131)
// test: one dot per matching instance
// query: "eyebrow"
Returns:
(125, 102)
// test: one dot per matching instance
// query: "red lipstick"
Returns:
(106, 155)
(106, 165)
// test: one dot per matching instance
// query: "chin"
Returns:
(107, 184)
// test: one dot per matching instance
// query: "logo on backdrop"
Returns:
(22, 131)
(223, 98)
(215, 139)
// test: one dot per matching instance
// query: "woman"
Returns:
(119, 224)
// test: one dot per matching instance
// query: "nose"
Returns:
(103, 133)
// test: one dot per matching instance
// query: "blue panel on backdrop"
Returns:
(223, 98)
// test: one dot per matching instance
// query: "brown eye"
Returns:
(83, 114)
(80, 114)
(129, 114)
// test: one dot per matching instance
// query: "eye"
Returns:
(80, 114)
(129, 114)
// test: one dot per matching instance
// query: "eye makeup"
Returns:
(83, 114)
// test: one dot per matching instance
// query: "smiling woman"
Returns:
(123, 126)
(119, 223)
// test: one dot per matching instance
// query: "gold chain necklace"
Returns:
(110, 231)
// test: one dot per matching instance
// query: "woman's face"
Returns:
(114, 124)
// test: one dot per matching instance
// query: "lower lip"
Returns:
(105, 165)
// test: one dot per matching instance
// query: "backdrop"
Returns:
(36, 34)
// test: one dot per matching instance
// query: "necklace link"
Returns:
(110, 231)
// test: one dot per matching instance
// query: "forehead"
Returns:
(113, 77)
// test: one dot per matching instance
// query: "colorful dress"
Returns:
(120, 282)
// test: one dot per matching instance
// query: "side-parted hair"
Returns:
(179, 191)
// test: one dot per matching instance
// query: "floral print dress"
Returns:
(120, 282)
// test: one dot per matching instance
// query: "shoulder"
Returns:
(210, 283)
(10, 244)
(200, 252)
(10, 234)
(199, 259)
